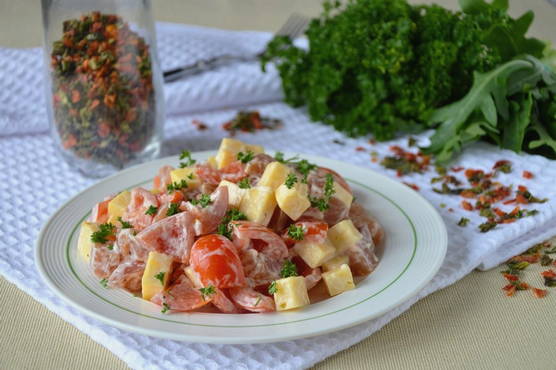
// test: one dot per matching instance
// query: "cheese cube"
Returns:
(188, 174)
(157, 272)
(235, 193)
(293, 201)
(344, 235)
(291, 293)
(342, 194)
(118, 205)
(315, 254)
(84, 243)
(212, 162)
(258, 204)
(338, 280)
(274, 175)
(229, 148)
(193, 276)
(335, 262)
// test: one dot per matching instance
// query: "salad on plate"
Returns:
(243, 232)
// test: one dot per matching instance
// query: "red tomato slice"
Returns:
(172, 236)
(141, 200)
(99, 213)
(215, 259)
(313, 230)
(181, 296)
(251, 300)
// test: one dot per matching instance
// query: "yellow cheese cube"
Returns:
(157, 272)
(235, 193)
(188, 174)
(193, 276)
(335, 262)
(315, 254)
(338, 280)
(84, 243)
(118, 205)
(291, 293)
(344, 235)
(258, 204)
(256, 149)
(229, 148)
(293, 201)
(212, 162)
(342, 194)
(274, 175)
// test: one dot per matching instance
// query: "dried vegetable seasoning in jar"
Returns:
(104, 104)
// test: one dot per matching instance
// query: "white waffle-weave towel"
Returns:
(26, 158)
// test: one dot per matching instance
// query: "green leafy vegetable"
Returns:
(296, 232)
(186, 157)
(104, 232)
(288, 269)
(208, 291)
(383, 66)
(204, 201)
(173, 209)
(160, 276)
(505, 106)
(290, 180)
(151, 211)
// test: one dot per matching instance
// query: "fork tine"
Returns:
(294, 26)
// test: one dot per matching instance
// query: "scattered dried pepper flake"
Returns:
(199, 125)
(412, 186)
(504, 166)
(509, 289)
(549, 274)
(463, 222)
(466, 205)
(527, 175)
(359, 149)
(511, 277)
(539, 293)
(457, 169)
(250, 121)
(405, 162)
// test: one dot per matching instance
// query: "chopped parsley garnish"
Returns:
(290, 180)
(463, 222)
(295, 232)
(322, 203)
(487, 226)
(176, 186)
(104, 232)
(225, 228)
(104, 283)
(288, 269)
(207, 291)
(160, 276)
(110, 247)
(304, 167)
(190, 176)
(203, 201)
(151, 211)
(245, 157)
(272, 288)
(186, 155)
(244, 183)
(258, 301)
(125, 224)
(279, 156)
(165, 308)
(173, 209)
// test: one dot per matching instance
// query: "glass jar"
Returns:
(103, 83)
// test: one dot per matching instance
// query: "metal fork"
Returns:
(295, 25)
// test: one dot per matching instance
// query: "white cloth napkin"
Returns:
(34, 182)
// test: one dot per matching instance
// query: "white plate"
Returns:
(415, 247)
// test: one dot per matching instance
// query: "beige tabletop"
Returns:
(470, 324)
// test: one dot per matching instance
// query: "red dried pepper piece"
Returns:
(509, 289)
(527, 175)
(550, 274)
(466, 205)
(539, 293)
(511, 277)
(359, 149)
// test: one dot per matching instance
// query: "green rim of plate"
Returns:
(68, 260)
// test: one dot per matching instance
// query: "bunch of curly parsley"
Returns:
(383, 66)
